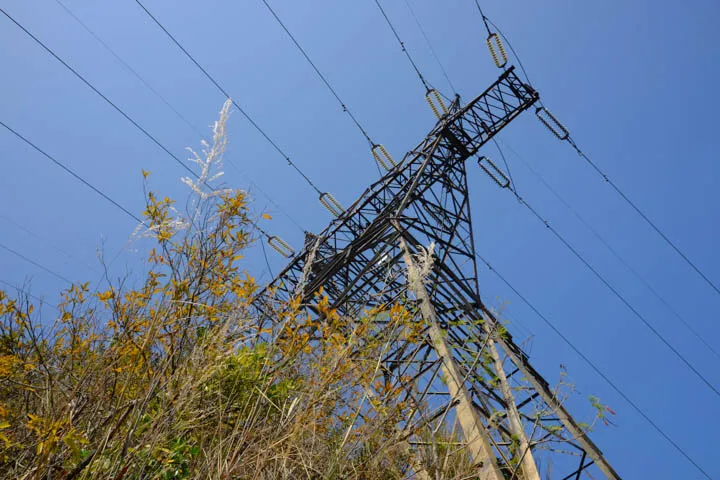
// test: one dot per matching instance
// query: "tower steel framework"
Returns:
(513, 423)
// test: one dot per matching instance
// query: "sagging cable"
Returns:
(383, 158)
(331, 204)
(494, 172)
(552, 123)
(281, 246)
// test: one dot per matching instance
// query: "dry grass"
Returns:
(175, 377)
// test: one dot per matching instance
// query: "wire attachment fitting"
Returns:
(552, 123)
(383, 157)
(494, 172)
(433, 98)
(497, 50)
(331, 204)
(281, 246)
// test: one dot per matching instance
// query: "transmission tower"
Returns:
(466, 369)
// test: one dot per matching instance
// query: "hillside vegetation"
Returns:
(174, 374)
(175, 377)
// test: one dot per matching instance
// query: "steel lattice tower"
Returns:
(361, 260)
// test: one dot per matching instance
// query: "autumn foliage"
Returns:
(176, 376)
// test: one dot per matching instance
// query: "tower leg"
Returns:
(475, 433)
(527, 462)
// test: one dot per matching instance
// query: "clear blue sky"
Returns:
(636, 83)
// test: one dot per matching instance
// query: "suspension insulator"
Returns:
(494, 172)
(332, 205)
(497, 50)
(383, 157)
(552, 123)
(281, 246)
(436, 103)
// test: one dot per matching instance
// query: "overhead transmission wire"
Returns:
(403, 47)
(595, 271)
(382, 157)
(71, 172)
(164, 100)
(112, 104)
(320, 74)
(46, 241)
(484, 18)
(595, 233)
(433, 97)
(89, 185)
(33, 262)
(579, 352)
(576, 253)
(602, 240)
(30, 295)
(513, 188)
(100, 94)
(278, 244)
(325, 198)
(596, 369)
(126, 64)
(80, 179)
(244, 113)
(563, 134)
(430, 46)
(617, 294)
(679, 355)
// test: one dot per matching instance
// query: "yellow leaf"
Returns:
(145, 173)
(266, 216)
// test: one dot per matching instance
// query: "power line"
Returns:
(615, 292)
(126, 65)
(46, 241)
(227, 95)
(430, 46)
(166, 102)
(600, 238)
(99, 93)
(643, 215)
(30, 295)
(33, 262)
(574, 251)
(484, 18)
(402, 46)
(596, 369)
(564, 135)
(71, 172)
(320, 74)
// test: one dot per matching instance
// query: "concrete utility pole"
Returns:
(475, 433)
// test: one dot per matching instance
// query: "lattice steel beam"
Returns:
(357, 260)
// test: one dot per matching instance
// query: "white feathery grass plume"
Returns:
(175, 224)
(209, 162)
(211, 159)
